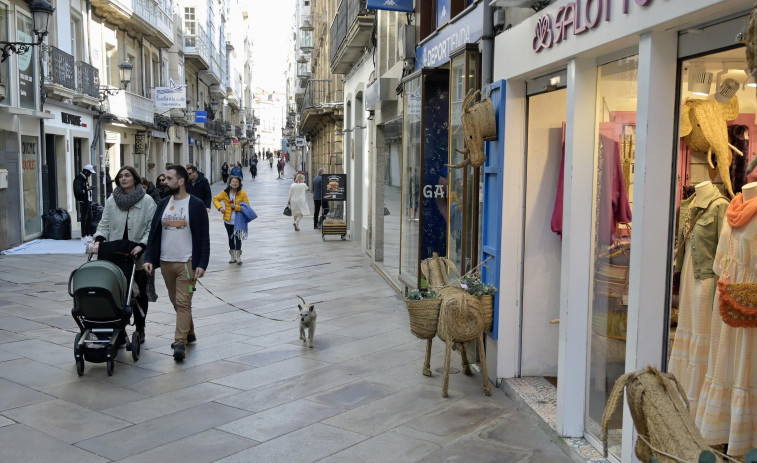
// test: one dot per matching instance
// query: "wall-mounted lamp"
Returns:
(41, 12)
(700, 80)
(124, 72)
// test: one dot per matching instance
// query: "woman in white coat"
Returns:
(298, 201)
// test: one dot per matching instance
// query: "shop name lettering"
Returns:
(29, 148)
(433, 191)
(70, 119)
(441, 50)
(580, 16)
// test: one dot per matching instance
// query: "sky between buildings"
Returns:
(272, 22)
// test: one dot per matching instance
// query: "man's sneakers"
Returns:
(178, 351)
(191, 337)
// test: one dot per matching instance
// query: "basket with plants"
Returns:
(473, 285)
(423, 309)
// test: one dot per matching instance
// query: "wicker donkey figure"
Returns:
(478, 126)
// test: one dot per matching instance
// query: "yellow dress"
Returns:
(727, 409)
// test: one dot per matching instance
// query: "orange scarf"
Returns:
(739, 213)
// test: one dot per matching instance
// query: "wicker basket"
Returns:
(424, 317)
(486, 304)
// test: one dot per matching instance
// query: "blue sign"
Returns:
(467, 29)
(201, 116)
(442, 12)
(391, 5)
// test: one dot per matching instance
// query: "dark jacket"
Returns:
(198, 225)
(317, 191)
(153, 192)
(201, 189)
(81, 187)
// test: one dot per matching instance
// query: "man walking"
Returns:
(318, 199)
(179, 243)
(199, 186)
(83, 195)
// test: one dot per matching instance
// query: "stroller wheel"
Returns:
(109, 367)
(135, 346)
(80, 366)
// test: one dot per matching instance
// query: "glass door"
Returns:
(617, 84)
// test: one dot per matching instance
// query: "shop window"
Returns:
(710, 358)
(464, 226)
(30, 176)
(617, 84)
(411, 178)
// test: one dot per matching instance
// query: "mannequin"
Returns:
(749, 191)
(705, 192)
(728, 398)
(699, 227)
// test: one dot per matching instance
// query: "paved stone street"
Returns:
(249, 390)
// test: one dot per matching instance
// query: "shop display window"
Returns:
(425, 173)
(712, 360)
(30, 176)
(411, 178)
(464, 228)
(617, 84)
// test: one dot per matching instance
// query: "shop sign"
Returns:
(140, 140)
(391, 5)
(579, 16)
(334, 187)
(201, 117)
(172, 97)
(25, 65)
(71, 119)
(467, 29)
(218, 147)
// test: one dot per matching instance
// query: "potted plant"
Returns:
(473, 285)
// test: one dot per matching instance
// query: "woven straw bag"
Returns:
(486, 306)
(424, 317)
(661, 416)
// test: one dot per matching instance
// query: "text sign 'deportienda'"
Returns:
(580, 16)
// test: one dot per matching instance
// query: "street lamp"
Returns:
(41, 12)
(124, 72)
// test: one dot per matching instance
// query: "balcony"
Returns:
(197, 50)
(320, 101)
(131, 108)
(216, 129)
(60, 73)
(147, 18)
(350, 34)
(239, 132)
(87, 85)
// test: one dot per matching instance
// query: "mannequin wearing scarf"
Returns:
(727, 410)
(127, 216)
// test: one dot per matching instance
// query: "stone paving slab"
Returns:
(249, 390)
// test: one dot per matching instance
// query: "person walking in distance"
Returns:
(229, 203)
(318, 202)
(83, 195)
(225, 172)
(127, 216)
(237, 170)
(298, 201)
(199, 186)
(179, 244)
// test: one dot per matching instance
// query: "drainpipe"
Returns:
(487, 46)
(142, 58)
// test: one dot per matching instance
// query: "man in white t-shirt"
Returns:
(179, 243)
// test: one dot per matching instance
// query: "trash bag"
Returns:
(57, 224)
(97, 214)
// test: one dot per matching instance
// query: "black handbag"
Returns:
(288, 211)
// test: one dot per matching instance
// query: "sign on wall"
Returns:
(391, 5)
(201, 116)
(26, 80)
(140, 144)
(467, 29)
(172, 97)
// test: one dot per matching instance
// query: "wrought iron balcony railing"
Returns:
(346, 15)
(87, 79)
(319, 93)
(60, 67)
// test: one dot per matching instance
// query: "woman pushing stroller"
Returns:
(127, 216)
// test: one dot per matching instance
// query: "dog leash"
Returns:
(243, 309)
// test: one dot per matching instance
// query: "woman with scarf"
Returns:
(127, 216)
(229, 203)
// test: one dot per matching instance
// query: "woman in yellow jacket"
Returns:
(228, 202)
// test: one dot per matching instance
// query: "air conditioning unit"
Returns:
(406, 42)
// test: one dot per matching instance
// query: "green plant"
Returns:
(474, 286)
(416, 295)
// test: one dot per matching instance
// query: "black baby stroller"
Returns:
(103, 305)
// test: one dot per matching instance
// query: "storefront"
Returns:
(593, 147)
(440, 205)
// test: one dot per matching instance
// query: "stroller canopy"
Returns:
(101, 274)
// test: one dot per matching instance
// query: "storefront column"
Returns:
(655, 141)
(511, 243)
(578, 201)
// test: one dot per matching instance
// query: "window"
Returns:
(190, 27)
(76, 39)
(110, 64)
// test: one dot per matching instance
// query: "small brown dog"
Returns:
(307, 320)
